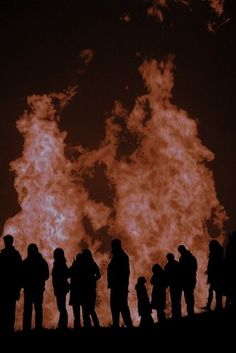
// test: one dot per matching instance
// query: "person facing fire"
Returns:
(144, 306)
(10, 272)
(172, 273)
(215, 269)
(188, 273)
(90, 275)
(34, 275)
(76, 297)
(230, 272)
(60, 274)
(118, 282)
(158, 282)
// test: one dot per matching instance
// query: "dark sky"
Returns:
(40, 50)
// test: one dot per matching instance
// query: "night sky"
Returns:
(41, 42)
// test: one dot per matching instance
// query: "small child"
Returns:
(144, 306)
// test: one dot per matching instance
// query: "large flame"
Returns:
(159, 191)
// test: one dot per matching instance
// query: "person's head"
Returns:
(8, 240)
(87, 255)
(32, 250)
(213, 245)
(170, 257)
(78, 257)
(156, 269)
(115, 246)
(182, 249)
(141, 280)
(59, 255)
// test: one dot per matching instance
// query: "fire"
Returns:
(214, 9)
(160, 192)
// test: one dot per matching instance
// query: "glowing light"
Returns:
(163, 193)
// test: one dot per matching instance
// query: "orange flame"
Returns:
(216, 16)
(159, 191)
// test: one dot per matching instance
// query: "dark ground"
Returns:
(211, 331)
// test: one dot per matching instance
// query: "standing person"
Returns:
(230, 272)
(144, 306)
(158, 282)
(214, 272)
(34, 275)
(188, 271)
(60, 274)
(118, 282)
(75, 274)
(173, 280)
(90, 275)
(10, 273)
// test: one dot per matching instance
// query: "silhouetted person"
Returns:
(230, 271)
(34, 275)
(215, 274)
(60, 274)
(144, 306)
(90, 275)
(118, 281)
(173, 278)
(76, 295)
(10, 272)
(158, 282)
(188, 268)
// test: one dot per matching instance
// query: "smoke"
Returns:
(158, 190)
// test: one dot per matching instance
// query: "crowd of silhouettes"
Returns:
(80, 281)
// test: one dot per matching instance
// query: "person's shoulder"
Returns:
(124, 253)
(95, 265)
(17, 252)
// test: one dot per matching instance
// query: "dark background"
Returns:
(40, 45)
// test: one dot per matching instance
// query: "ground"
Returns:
(204, 331)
